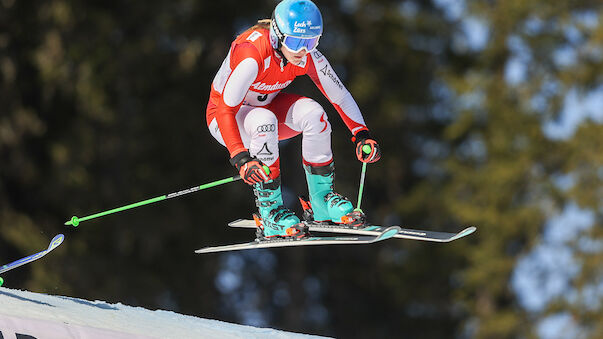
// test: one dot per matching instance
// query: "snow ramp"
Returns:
(28, 315)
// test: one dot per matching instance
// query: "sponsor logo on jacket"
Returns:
(260, 86)
(328, 72)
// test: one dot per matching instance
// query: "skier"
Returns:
(248, 113)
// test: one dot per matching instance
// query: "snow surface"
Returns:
(130, 321)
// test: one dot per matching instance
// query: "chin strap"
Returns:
(278, 51)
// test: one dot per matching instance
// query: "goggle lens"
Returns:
(295, 44)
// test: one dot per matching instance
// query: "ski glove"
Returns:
(251, 169)
(369, 154)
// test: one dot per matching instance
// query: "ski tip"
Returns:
(464, 233)
(1, 281)
(56, 241)
(467, 231)
(388, 233)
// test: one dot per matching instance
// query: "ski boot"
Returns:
(274, 219)
(326, 206)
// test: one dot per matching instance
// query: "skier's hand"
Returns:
(367, 149)
(251, 169)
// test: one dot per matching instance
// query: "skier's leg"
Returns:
(259, 132)
(261, 129)
(308, 117)
(260, 126)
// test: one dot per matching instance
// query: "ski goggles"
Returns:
(296, 44)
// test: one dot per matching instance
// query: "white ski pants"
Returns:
(285, 117)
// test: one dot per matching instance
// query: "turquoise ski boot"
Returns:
(275, 220)
(325, 205)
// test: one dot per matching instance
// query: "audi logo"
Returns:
(266, 128)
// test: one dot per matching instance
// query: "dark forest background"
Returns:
(102, 103)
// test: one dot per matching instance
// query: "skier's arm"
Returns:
(245, 71)
(323, 75)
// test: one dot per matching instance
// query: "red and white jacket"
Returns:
(253, 73)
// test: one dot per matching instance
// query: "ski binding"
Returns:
(403, 233)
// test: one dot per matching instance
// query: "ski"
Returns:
(54, 243)
(386, 233)
(403, 233)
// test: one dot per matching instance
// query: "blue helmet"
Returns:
(296, 24)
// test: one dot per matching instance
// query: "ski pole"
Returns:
(367, 150)
(75, 221)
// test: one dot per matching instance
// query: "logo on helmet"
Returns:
(298, 27)
(299, 18)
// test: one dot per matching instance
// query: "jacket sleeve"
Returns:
(245, 63)
(323, 75)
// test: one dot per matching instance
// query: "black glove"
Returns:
(251, 169)
(367, 149)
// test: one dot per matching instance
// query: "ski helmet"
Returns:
(296, 24)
